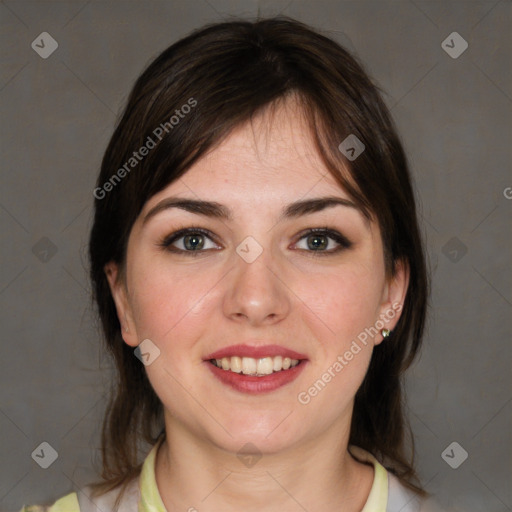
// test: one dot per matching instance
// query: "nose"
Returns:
(257, 293)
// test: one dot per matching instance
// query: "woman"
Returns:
(261, 282)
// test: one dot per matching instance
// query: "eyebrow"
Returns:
(220, 211)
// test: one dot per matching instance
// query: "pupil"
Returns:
(318, 241)
(193, 242)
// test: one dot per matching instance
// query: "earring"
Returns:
(385, 333)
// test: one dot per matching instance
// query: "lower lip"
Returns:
(256, 385)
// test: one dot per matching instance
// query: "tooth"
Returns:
(236, 364)
(248, 365)
(265, 366)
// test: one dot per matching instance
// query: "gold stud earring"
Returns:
(385, 333)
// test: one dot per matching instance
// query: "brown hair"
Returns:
(227, 73)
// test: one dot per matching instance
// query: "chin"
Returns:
(268, 434)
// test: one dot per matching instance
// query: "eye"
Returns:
(188, 240)
(194, 241)
(318, 241)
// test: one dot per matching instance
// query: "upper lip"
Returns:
(255, 352)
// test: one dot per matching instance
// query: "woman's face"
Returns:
(259, 278)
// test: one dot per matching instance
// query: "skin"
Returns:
(317, 305)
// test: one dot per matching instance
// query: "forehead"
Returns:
(272, 155)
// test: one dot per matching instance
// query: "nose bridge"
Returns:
(256, 291)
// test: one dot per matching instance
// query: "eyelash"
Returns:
(167, 242)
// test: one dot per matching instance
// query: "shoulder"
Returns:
(402, 499)
(68, 503)
(106, 502)
(82, 501)
(388, 494)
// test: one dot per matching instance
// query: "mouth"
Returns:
(255, 370)
(255, 367)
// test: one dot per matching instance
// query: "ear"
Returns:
(393, 297)
(120, 296)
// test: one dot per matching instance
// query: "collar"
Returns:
(151, 501)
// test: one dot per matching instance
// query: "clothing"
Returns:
(387, 493)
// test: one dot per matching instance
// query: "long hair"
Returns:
(214, 80)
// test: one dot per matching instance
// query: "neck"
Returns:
(193, 474)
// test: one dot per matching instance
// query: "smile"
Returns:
(255, 367)
(253, 383)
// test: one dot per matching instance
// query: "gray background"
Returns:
(56, 117)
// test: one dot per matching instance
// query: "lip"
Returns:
(255, 352)
(256, 385)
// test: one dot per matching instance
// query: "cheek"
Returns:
(342, 304)
(338, 314)
(167, 302)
